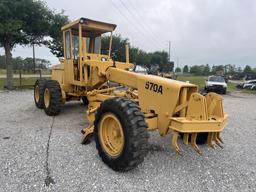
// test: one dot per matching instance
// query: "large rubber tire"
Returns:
(39, 93)
(134, 129)
(55, 98)
(85, 100)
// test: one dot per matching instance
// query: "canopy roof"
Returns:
(90, 26)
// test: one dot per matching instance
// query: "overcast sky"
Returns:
(201, 31)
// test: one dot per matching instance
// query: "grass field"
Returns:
(198, 80)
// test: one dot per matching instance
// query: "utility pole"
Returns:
(34, 59)
(170, 43)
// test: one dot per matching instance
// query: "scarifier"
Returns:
(121, 116)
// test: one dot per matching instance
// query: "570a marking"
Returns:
(154, 87)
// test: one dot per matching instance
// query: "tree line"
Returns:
(158, 60)
(206, 69)
(25, 64)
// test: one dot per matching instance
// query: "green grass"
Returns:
(200, 80)
(197, 80)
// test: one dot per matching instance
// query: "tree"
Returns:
(143, 59)
(206, 70)
(230, 69)
(118, 46)
(239, 70)
(197, 69)
(217, 69)
(161, 58)
(55, 44)
(21, 22)
(157, 59)
(2, 62)
(248, 69)
(177, 70)
(185, 69)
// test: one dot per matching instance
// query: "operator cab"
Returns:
(82, 41)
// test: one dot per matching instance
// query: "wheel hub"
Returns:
(111, 135)
(46, 97)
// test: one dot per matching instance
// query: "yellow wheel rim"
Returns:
(37, 94)
(46, 97)
(111, 135)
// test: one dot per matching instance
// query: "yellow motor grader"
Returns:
(121, 116)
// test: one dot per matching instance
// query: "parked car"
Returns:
(249, 84)
(253, 87)
(216, 84)
(140, 69)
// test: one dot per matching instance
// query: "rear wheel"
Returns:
(121, 134)
(52, 98)
(39, 93)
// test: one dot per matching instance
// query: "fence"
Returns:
(23, 79)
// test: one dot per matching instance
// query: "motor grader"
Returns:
(120, 117)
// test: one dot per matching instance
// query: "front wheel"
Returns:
(120, 134)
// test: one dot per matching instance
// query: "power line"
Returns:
(138, 29)
(156, 42)
(127, 19)
(170, 44)
(143, 23)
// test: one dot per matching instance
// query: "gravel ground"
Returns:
(41, 153)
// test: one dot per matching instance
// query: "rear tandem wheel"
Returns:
(52, 98)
